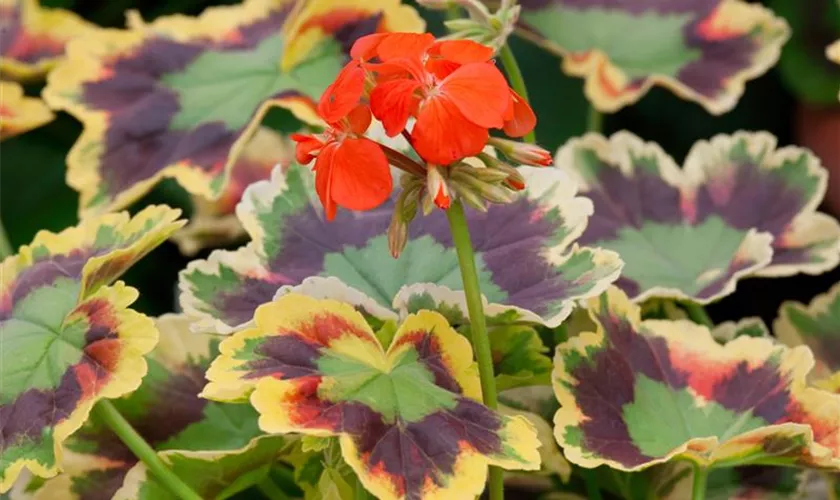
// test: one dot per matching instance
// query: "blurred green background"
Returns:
(33, 194)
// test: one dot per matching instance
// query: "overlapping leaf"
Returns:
(747, 327)
(180, 97)
(636, 393)
(214, 222)
(217, 475)
(738, 483)
(702, 50)
(739, 207)
(817, 326)
(67, 339)
(187, 430)
(408, 419)
(18, 113)
(32, 38)
(525, 258)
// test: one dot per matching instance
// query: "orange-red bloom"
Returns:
(351, 171)
(451, 87)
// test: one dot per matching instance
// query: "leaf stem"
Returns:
(270, 490)
(593, 491)
(516, 81)
(698, 314)
(5, 247)
(478, 326)
(109, 415)
(698, 486)
(594, 120)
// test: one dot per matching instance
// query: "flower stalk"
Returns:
(698, 486)
(111, 417)
(517, 82)
(478, 325)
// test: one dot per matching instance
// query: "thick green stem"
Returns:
(698, 314)
(516, 81)
(105, 411)
(5, 247)
(595, 120)
(698, 486)
(593, 491)
(478, 326)
(270, 490)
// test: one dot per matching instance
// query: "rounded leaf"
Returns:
(181, 97)
(18, 113)
(315, 367)
(636, 393)
(702, 50)
(525, 255)
(739, 207)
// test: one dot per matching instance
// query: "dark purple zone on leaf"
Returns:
(757, 199)
(413, 452)
(719, 59)
(26, 417)
(174, 405)
(606, 383)
(41, 274)
(139, 142)
(509, 238)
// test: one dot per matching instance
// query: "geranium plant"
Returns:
(395, 291)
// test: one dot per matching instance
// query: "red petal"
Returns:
(358, 120)
(480, 92)
(365, 47)
(441, 68)
(404, 45)
(324, 178)
(523, 120)
(461, 51)
(393, 102)
(306, 147)
(442, 135)
(361, 177)
(343, 94)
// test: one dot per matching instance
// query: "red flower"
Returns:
(451, 87)
(350, 170)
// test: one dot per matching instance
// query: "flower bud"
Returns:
(470, 198)
(521, 152)
(513, 179)
(397, 235)
(436, 186)
(490, 175)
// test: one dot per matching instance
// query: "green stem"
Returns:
(478, 326)
(595, 120)
(516, 81)
(593, 491)
(270, 490)
(360, 492)
(698, 486)
(106, 412)
(698, 314)
(5, 247)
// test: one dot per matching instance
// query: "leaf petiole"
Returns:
(109, 415)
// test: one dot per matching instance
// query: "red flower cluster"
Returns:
(452, 89)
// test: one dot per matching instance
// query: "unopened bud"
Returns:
(407, 202)
(436, 186)
(485, 174)
(494, 193)
(469, 197)
(427, 203)
(521, 152)
(397, 235)
(513, 178)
